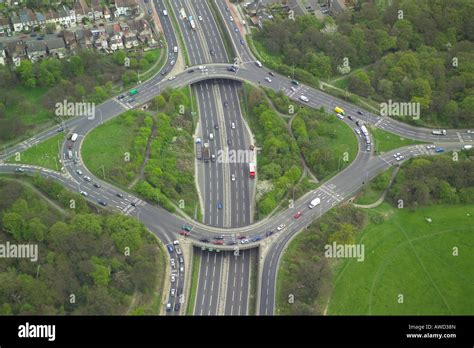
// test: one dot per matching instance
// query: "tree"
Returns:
(13, 223)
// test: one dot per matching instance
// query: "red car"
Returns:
(241, 237)
(218, 242)
(297, 215)
(185, 233)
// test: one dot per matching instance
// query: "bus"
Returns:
(338, 110)
(252, 169)
(133, 92)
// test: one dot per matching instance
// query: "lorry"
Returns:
(69, 154)
(198, 150)
(314, 203)
(364, 131)
(205, 152)
(467, 147)
(252, 169)
(338, 110)
(438, 132)
(182, 13)
(192, 23)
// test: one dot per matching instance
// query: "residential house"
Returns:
(41, 19)
(28, 19)
(36, 50)
(126, 8)
(100, 38)
(84, 38)
(97, 9)
(3, 55)
(70, 40)
(115, 36)
(67, 17)
(5, 28)
(16, 51)
(144, 32)
(82, 11)
(107, 14)
(16, 22)
(56, 47)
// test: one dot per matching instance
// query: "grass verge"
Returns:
(373, 190)
(194, 284)
(385, 141)
(45, 154)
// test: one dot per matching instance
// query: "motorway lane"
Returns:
(207, 295)
(238, 282)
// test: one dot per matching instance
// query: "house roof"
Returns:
(40, 17)
(35, 46)
(126, 3)
(55, 43)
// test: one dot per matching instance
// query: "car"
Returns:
(227, 9)
(469, 131)
(87, 178)
(119, 195)
(357, 130)
(172, 62)
(79, 172)
(218, 242)
(221, 237)
(232, 68)
(245, 241)
(190, 71)
(396, 154)
(269, 80)
(304, 98)
(204, 240)
(231, 242)
(216, 127)
(200, 18)
(84, 193)
(150, 12)
(96, 185)
(358, 123)
(256, 238)
(132, 100)
(181, 259)
(172, 292)
(19, 170)
(181, 269)
(231, 18)
(368, 148)
(187, 228)
(133, 204)
(294, 82)
(121, 96)
(430, 147)
(229, 142)
(293, 89)
(39, 38)
(177, 306)
(282, 226)
(171, 78)
(170, 248)
(232, 177)
(242, 42)
(184, 233)
(297, 215)
(213, 158)
(271, 73)
(268, 233)
(102, 203)
(211, 136)
(360, 112)
(226, 104)
(168, 307)
(173, 263)
(219, 205)
(439, 149)
(60, 129)
(176, 242)
(350, 118)
(198, 140)
(232, 125)
(164, 72)
(236, 29)
(340, 116)
(398, 158)
(173, 278)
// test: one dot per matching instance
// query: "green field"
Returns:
(410, 256)
(43, 155)
(104, 149)
(385, 141)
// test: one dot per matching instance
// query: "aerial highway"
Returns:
(166, 225)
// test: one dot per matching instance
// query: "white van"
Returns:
(165, 13)
(211, 136)
(175, 49)
(257, 62)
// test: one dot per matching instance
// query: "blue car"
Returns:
(439, 149)
(256, 239)
(219, 205)
(170, 248)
